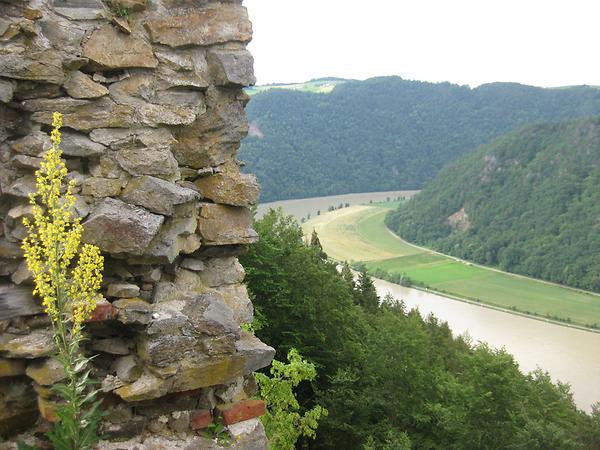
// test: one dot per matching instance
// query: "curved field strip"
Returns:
(343, 241)
(358, 233)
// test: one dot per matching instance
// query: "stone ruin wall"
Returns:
(151, 93)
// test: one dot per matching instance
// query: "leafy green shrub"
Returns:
(283, 422)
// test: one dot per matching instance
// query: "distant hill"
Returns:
(528, 202)
(386, 133)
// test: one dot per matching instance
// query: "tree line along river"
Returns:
(569, 355)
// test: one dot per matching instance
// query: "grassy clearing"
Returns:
(358, 233)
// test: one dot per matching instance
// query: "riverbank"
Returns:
(569, 354)
(359, 234)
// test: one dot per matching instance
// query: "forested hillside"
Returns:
(387, 133)
(528, 202)
(391, 379)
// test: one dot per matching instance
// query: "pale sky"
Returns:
(537, 42)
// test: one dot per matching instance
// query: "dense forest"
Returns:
(390, 378)
(528, 202)
(387, 133)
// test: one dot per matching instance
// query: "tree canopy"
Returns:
(390, 378)
(528, 202)
(387, 133)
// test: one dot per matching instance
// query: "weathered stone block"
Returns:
(7, 90)
(79, 145)
(127, 368)
(101, 187)
(26, 162)
(193, 264)
(17, 301)
(256, 353)
(214, 137)
(139, 161)
(229, 188)
(209, 314)
(133, 311)
(83, 115)
(79, 9)
(110, 383)
(37, 344)
(185, 67)
(10, 250)
(125, 50)
(44, 66)
(131, 5)
(249, 435)
(157, 351)
(232, 67)
(107, 167)
(113, 346)
(22, 187)
(79, 85)
(123, 290)
(156, 106)
(46, 372)
(22, 274)
(223, 225)
(146, 387)
(117, 227)
(157, 195)
(124, 138)
(48, 409)
(236, 297)
(221, 271)
(208, 372)
(34, 144)
(179, 421)
(228, 22)
(177, 236)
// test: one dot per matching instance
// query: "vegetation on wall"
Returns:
(68, 290)
(387, 133)
(389, 378)
(528, 202)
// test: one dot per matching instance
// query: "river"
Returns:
(569, 355)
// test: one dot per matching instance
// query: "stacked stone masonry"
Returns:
(152, 97)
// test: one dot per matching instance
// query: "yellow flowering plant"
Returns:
(68, 290)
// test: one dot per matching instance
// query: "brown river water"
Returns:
(568, 354)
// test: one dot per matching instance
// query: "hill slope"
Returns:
(528, 202)
(387, 133)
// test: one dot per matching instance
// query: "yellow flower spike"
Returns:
(56, 120)
(53, 241)
(67, 277)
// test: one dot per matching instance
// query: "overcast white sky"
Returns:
(543, 43)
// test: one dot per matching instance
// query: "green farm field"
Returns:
(359, 234)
